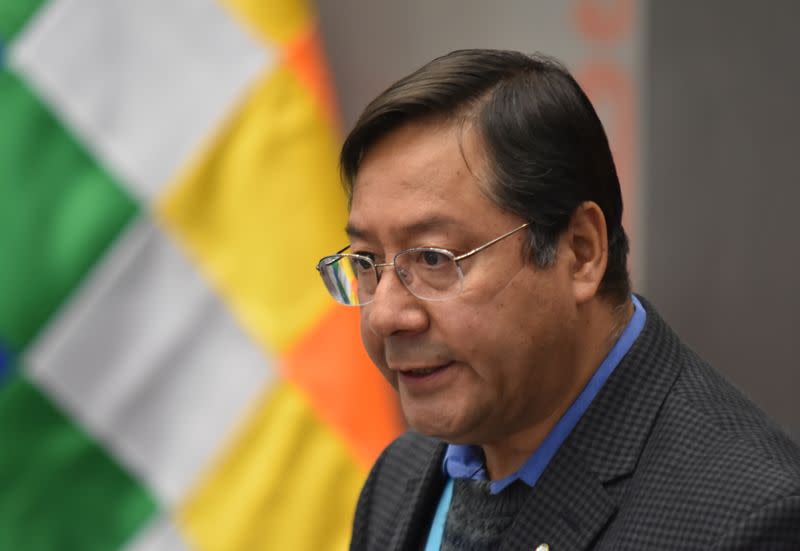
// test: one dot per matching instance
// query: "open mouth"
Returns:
(424, 371)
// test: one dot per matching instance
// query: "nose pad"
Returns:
(405, 276)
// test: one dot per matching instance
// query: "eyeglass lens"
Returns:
(429, 274)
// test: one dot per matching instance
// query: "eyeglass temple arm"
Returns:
(490, 243)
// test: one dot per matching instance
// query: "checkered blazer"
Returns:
(668, 456)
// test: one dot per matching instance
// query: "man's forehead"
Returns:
(410, 226)
(417, 181)
(425, 144)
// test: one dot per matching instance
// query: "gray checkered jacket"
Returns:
(668, 456)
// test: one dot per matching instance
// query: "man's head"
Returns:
(545, 146)
(461, 152)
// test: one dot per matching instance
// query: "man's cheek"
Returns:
(473, 329)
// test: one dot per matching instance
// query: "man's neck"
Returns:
(604, 325)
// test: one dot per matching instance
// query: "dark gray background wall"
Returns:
(719, 137)
(722, 79)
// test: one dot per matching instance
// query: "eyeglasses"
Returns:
(428, 273)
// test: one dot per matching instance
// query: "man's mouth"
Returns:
(420, 372)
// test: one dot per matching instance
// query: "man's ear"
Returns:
(587, 240)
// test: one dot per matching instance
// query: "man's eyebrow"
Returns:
(415, 228)
(354, 231)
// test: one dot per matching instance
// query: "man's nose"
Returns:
(394, 309)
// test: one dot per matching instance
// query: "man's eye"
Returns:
(362, 264)
(432, 259)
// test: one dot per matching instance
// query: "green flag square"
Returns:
(59, 210)
(61, 490)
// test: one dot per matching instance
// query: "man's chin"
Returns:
(450, 432)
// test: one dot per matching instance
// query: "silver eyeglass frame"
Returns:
(379, 267)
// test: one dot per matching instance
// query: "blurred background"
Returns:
(700, 102)
(172, 374)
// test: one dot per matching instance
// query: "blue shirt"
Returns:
(461, 461)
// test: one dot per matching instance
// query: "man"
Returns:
(550, 407)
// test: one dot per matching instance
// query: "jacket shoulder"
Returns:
(689, 460)
(714, 465)
(745, 450)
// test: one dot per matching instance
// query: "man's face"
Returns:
(502, 348)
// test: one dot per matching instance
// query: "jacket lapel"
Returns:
(567, 509)
(418, 503)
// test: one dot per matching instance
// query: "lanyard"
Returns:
(436, 534)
